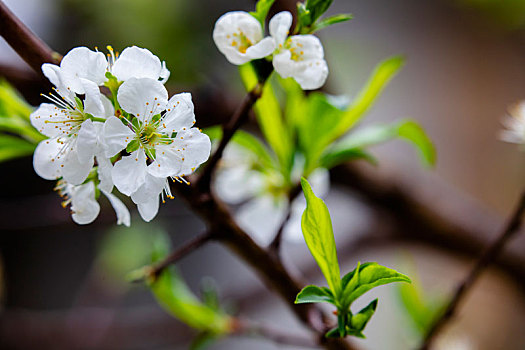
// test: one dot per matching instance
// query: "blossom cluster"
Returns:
(240, 37)
(136, 139)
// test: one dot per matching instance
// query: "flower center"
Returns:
(296, 49)
(240, 41)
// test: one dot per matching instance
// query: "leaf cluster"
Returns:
(341, 292)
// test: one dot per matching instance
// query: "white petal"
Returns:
(86, 141)
(123, 216)
(129, 173)
(109, 110)
(151, 188)
(116, 136)
(280, 26)
(168, 161)
(261, 218)
(284, 65)
(164, 73)
(52, 72)
(310, 69)
(262, 49)
(46, 161)
(74, 171)
(226, 30)
(135, 62)
(179, 115)
(84, 206)
(149, 209)
(314, 76)
(42, 118)
(82, 63)
(142, 97)
(104, 173)
(195, 146)
(93, 101)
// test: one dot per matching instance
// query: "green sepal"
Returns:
(133, 146)
(79, 104)
(136, 123)
(315, 294)
(156, 118)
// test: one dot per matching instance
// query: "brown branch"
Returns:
(278, 336)
(483, 262)
(152, 272)
(271, 270)
(276, 242)
(238, 119)
(28, 46)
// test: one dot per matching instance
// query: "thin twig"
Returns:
(278, 336)
(188, 247)
(484, 260)
(239, 118)
(29, 46)
(276, 242)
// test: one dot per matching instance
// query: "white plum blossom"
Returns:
(300, 57)
(73, 126)
(84, 205)
(262, 195)
(514, 124)
(136, 62)
(239, 36)
(159, 135)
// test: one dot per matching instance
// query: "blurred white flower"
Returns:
(239, 36)
(160, 137)
(84, 205)
(514, 124)
(262, 195)
(299, 56)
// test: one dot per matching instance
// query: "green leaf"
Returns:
(326, 22)
(422, 309)
(317, 8)
(359, 320)
(202, 341)
(269, 117)
(332, 158)
(369, 275)
(316, 128)
(261, 10)
(318, 234)
(13, 147)
(383, 73)
(413, 132)
(408, 130)
(176, 298)
(314, 294)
